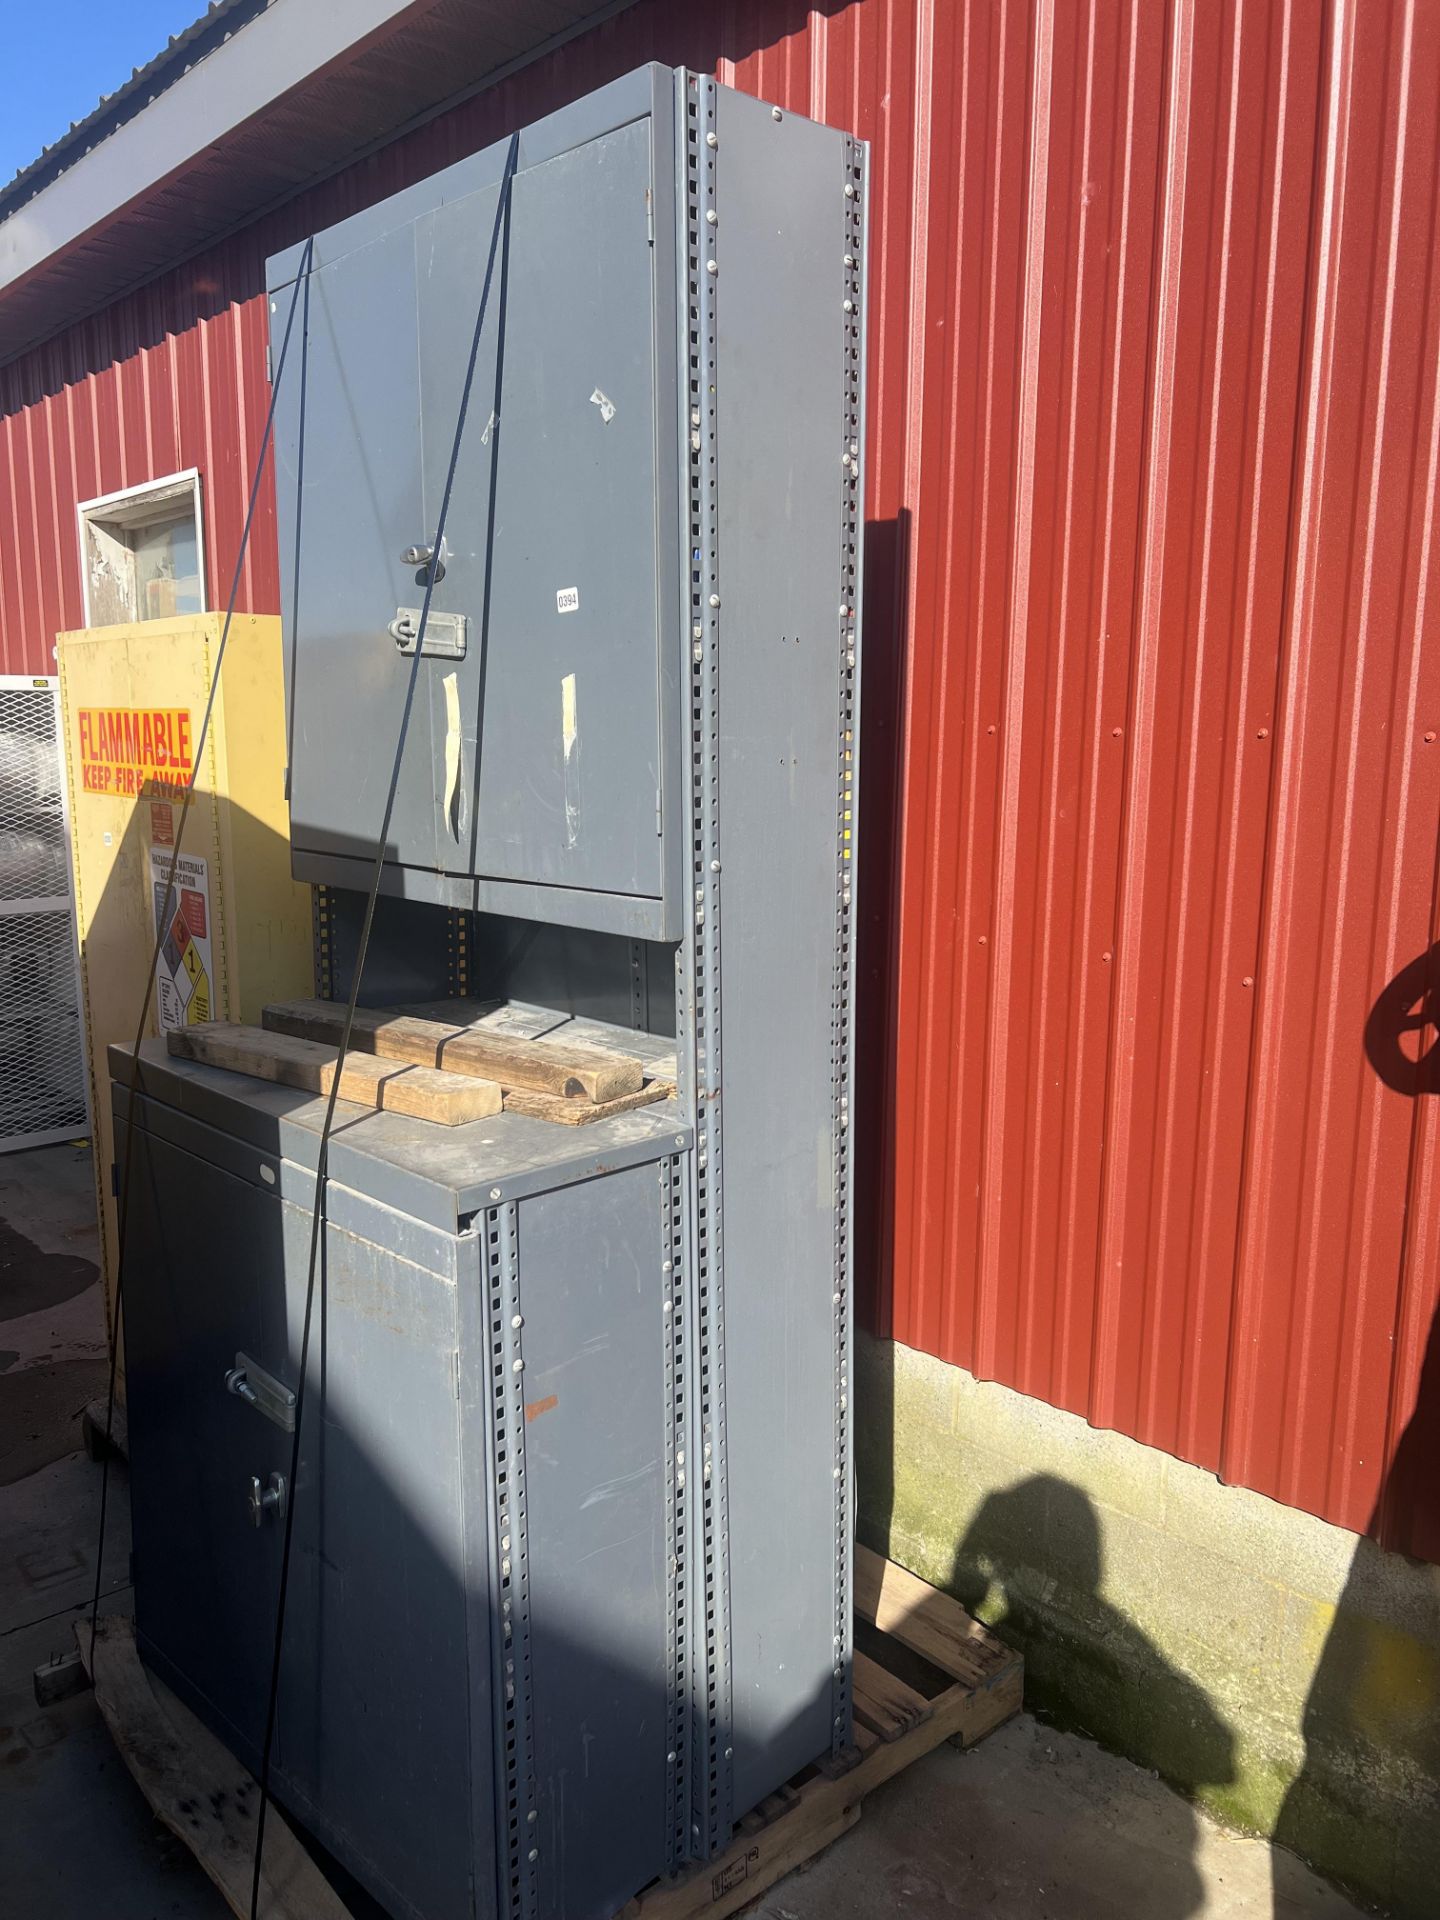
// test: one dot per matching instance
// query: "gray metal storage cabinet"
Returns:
(572, 1587)
(427, 1517)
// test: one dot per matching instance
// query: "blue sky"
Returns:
(58, 56)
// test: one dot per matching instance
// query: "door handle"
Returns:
(431, 565)
(267, 1499)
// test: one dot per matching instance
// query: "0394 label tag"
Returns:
(567, 599)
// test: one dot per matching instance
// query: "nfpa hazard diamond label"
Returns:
(183, 971)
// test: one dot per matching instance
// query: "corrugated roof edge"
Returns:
(219, 23)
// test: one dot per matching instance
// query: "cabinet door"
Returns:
(199, 1243)
(553, 523)
(374, 1752)
(354, 448)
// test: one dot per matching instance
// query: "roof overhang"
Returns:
(300, 89)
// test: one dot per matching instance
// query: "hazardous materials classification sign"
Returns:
(184, 996)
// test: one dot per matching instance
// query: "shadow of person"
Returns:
(1123, 1691)
(1371, 1724)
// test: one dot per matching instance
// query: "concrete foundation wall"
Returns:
(1282, 1671)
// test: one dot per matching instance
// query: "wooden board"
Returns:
(423, 1093)
(883, 1702)
(895, 1726)
(525, 1021)
(197, 1788)
(537, 1066)
(579, 1113)
(920, 1617)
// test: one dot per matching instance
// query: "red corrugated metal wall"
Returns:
(1152, 675)
(1171, 784)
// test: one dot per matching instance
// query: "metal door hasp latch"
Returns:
(445, 633)
(249, 1382)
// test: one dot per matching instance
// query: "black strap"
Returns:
(323, 1156)
(136, 1077)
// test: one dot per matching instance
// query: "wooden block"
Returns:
(423, 1093)
(772, 1808)
(199, 1790)
(59, 1679)
(979, 1710)
(537, 1066)
(579, 1113)
(92, 1429)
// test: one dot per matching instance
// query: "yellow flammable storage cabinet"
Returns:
(237, 928)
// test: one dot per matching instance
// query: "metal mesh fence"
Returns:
(42, 1079)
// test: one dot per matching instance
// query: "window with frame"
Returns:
(142, 554)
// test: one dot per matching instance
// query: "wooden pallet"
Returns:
(925, 1672)
(197, 1788)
